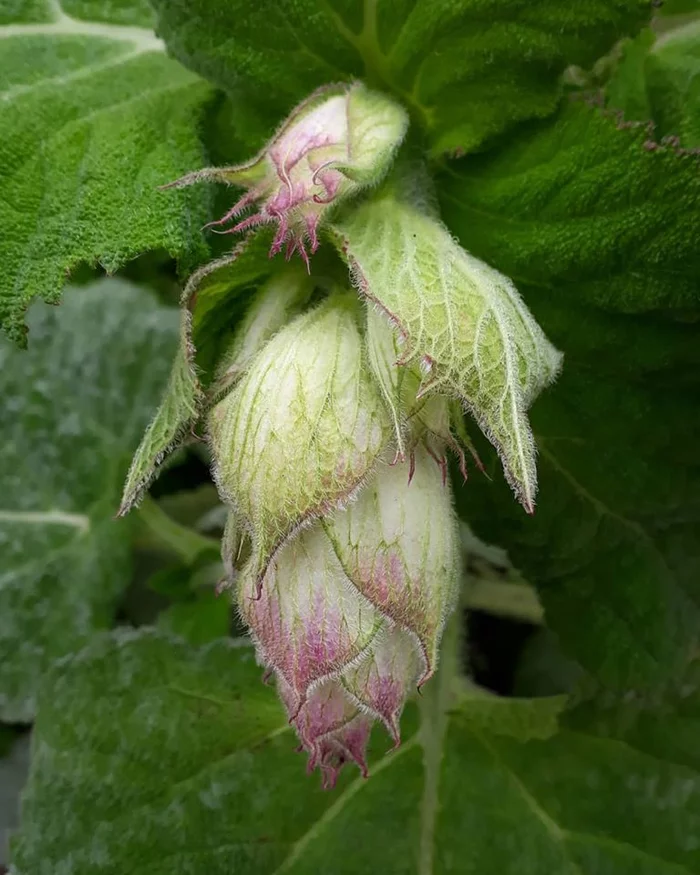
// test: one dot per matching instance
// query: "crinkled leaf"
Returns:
(601, 235)
(462, 321)
(466, 69)
(73, 406)
(94, 118)
(150, 756)
(581, 205)
(626, 89)
(659, 81)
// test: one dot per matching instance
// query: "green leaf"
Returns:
(581, 205)
(94, 118)
(600, 234)
(151, 756)
(199, 620)
(72, 408)
(663, 726)
(660, 81)
(173, 423)
(465, 69)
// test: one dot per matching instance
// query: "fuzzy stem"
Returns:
(517, 600)
(434, 704)
(185, 542)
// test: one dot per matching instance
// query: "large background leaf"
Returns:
(466, 69)
(151, 757)
(14, 765)
(600, 232)
(94, 117)
(72, 409)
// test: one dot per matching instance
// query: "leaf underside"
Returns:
(72, 408)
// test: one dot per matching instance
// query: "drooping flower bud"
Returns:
(339, 664)
(398, 544)
(308, 622)
(348, 744)
(332, 729)
(301, 430)
(340, 139)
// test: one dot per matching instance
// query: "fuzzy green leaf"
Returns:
(210, 304)
(94, 118)
(583, 205)
(72, 407)
(466, 69)
(626, 89)
(151, 756)
(178, 413)
(600, 233)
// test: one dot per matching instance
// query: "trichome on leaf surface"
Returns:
(424, 252)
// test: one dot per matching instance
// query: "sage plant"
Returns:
(334, 405)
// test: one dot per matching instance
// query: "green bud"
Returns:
(301, 430)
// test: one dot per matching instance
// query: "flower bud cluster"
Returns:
(351, 562)
(329, 422)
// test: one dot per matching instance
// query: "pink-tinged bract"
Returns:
(308, 622)
(340, 139)
(398, 544)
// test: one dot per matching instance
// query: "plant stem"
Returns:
(517, 600)
(185, 542)
(434, 704)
